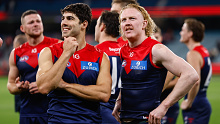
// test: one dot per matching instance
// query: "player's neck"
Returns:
(33, 41)
(133, 42)
(192, 45)
(107, 38)
(81, 40)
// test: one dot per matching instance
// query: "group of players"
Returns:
(120, 80)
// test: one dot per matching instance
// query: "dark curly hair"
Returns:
(110, 19)
(81, 10)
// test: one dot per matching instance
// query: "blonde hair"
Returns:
(149, 30)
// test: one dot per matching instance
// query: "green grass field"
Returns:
(9, 116)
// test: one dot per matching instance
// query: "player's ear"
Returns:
(84, 24)
(144, 24)
(190, 33)
(102, 27)
(22, 28)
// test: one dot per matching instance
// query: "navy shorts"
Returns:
(107, 117)
(199, 113)
(171, 115)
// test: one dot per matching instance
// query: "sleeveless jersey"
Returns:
(200, 113)
(111, 48)
(26, 60)
(82, 68)
(142, 80)
(206, 70)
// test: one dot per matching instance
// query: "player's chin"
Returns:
(64, 34)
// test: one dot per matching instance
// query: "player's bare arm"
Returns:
(196, 61)
(161, 55)
(14, 85)
(117, 107)
(99, 92)
(49, 75)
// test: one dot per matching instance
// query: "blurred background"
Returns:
(169, 15)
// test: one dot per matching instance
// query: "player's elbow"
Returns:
(12, 90)
(43, 91)
(41, 88)
(105, 97)
(194, 77)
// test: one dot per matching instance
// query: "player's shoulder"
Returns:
(56, 45)
(91, 47)
(50, 40)
(107, 44)
(22, 48)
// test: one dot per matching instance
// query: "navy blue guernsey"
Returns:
(82, 68)
(26, 60)
(112, 48)
(200, 111)
(206, 70)
(142, 80)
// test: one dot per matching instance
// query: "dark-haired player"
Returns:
(75, 75)
(106, 33)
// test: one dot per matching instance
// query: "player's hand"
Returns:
(21, 84)
(33, 89)
(185, 105)
(157, 114)
(116, 109)
(70, 45)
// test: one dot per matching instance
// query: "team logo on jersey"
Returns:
(24, 58)
(34, 50)
(131, 54)
(89, 66)
(68, 64)
(124, 63)
(116, 50)
(138, 65)
(76, 56)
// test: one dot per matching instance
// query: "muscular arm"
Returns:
(99, 92)
(161, 55)
(13, 78)
(49, 75)
(194, 59)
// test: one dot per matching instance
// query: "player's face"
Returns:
(32, 25)
(116, 7)
(158, 36)
(97, 30)
(132, 23)
(184, 34)
(70, 25)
